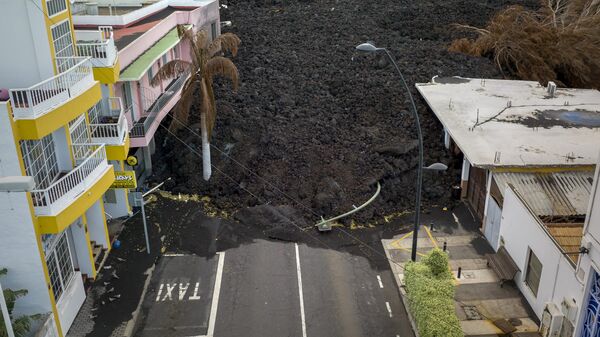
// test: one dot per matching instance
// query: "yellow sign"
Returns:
(132, 160)
(124, 179)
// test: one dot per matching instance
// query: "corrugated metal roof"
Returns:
(554, 194)
(568, 237)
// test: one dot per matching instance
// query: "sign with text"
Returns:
(124, 179)
(179, 297)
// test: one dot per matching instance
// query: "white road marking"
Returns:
(387, 304)
(195, 296)
(455, 218)
(299, 273)
(215, 298)
(182, 290)
(159, 292)
(169, 290)
(379, 280)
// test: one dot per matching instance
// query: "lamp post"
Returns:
(370, 48)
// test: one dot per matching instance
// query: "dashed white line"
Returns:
(379, 280)
(299, 273)
(456, 219)
(389, 309)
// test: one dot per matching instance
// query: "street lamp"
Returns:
(370, 48)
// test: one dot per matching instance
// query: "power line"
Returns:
(286, 218)
(283, 193)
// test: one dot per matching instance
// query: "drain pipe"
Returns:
(325, 225)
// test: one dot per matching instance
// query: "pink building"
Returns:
(146, 38)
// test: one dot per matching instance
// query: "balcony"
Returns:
(109, 125)
(156, 110)
(99, 45)
(72, 193)
(46, 106)
(33, 102)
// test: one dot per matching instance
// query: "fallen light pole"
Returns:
(325, 225)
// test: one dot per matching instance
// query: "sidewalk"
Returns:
(479, 299)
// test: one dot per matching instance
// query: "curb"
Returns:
(402, 290)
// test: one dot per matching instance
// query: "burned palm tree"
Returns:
(206, 62)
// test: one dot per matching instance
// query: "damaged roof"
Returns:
(550, 194)
(510, 123)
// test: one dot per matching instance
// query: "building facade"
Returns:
(61, 125)
(146, 38)
(75, 104)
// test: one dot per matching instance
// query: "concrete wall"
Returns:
(521, 232)
(70, 302)
(19, 249)
(26, 58)
(96, 226)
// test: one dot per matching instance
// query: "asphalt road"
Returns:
(341, 295)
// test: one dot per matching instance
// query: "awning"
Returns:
(140, 66)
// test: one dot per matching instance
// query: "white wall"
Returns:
(70, 301)
(591, 235)
(19, 250)
(592, 226)
(522, 231)
(96, 226)
(26, 58)
(80, 247)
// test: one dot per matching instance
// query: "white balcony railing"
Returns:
(110, 126)
(32, 102)
(97, 44)
(155, 106)
(61, 193)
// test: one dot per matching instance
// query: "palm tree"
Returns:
(21, 324)
(206, 63)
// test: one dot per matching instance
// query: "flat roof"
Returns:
(516, 123)
(140, 66)
(126, 35)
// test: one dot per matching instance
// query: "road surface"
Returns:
(341, 295)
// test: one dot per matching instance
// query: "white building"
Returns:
(75, 104)
(512, 126)
(529, 154)
(588, 269)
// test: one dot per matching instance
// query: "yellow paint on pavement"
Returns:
(431, 237)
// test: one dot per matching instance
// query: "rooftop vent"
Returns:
(551, 89)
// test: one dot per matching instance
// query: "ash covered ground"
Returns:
(320, 121)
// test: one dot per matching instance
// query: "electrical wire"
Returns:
(281, 192)
(361, 242)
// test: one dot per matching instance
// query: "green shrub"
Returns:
(430, 291)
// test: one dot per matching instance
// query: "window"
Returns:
(40, 160)
(79, 135)
(63, 45)
(150, 73)
(94, 113)
(213, 30)
(164, 59)
(176, 52)
(55, 6)
(534, 273)
(58, 259)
